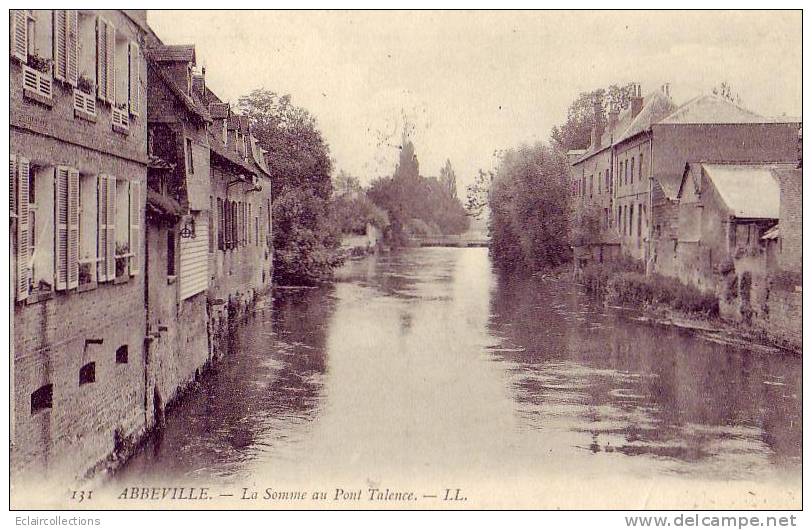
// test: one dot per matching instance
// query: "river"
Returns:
(425, 370)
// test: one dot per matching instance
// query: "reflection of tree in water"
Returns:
(640, 388)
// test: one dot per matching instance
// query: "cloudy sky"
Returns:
(475, 82)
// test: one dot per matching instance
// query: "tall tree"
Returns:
(305, 240)
(448, 178)
(588, 109)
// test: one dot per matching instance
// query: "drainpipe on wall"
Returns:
(147, 342)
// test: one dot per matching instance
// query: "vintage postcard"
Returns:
(402, 260)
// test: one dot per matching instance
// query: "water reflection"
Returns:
(427, 363)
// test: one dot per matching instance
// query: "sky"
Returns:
(473, 83)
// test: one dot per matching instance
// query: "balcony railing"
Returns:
(121, 119)
(37, 84)
(84, 102)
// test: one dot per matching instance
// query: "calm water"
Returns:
(427, 365)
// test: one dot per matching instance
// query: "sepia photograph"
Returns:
(406, 260)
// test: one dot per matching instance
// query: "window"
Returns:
(212, 211)
(225, 132)
(88, 228)
(66, 45)
(626, 171)
(43, 237)
(256, 230)
(41, 33)
(87, 52)
(249, 215)
(190, 163)
(639, 220)
(87, 374)
(122, 354)
(640, 166)
(105, 61)
(170, 253)
(42, 398)
(631, 218)
(220, 225)
(590, 186)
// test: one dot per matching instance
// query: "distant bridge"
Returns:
(464, 240)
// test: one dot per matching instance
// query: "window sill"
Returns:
(35, 298)
(39, 98)
(82, 115)
(124, 278)
(86, 287)
(121, 130)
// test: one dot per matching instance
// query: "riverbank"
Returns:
(666, 301)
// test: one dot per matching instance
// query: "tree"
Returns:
(298, 156)
(448, 178)
(530, 209)
(305, 240)
(725, 91)
(587, 110)
(476, 198)
(417, 205)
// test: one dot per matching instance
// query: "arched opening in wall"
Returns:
(122, 354)
(87, 374)
(42, 398)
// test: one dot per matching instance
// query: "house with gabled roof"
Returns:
(705, 128)
(609, 186)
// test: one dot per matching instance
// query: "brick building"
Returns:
(178, 246)
(705, 128)
(611, 178)
(78, 178)
(241, 264)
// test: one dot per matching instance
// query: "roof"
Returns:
(714, 109)
(218, 111)
(656, 105)
(190, 102)
(216, 146)
(772, 233)
(748, 190)
(174, 53)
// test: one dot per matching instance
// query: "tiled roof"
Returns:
(713, 109)
(216, 146)
(174, 53)
(191, 103)
(656, 105)
(748, 190)
(218, 111)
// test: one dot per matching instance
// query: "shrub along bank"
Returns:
(617, 284)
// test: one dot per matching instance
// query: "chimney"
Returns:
(614, 114)
(199, 83)
(666, 88)
(636, 101)
(598, 127)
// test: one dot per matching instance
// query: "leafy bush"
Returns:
(636, 288)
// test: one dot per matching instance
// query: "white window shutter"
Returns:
(110, 41)
(110, 257)
(23, 227)
(101, 233)
(73, 228)
(101, 60)
(135, 225)
(60, 41)
(72, 61)
(135, 78)
(12, 186)
(61, 227)
(19, 34)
